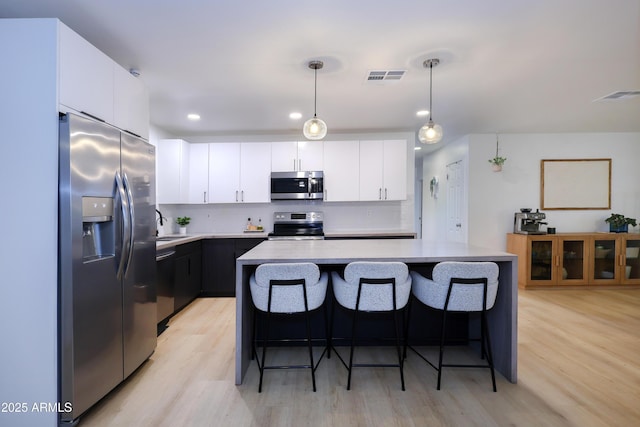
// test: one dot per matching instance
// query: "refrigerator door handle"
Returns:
(132, 221)
(126, 229)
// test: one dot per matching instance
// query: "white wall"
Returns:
(495, 197)
(28, 257)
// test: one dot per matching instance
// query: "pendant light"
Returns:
(430, 133)
(315, 129)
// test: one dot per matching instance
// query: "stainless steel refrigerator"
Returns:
(107, 271)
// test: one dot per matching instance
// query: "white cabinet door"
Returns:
(383, 170)
(284, 156)
(341, 171)
(86, 76)
(395, 170)
(172, 156)
(131, 102)
(224, 172)
(198, 173)
(371, 170)
(310, 156)
(255, 172)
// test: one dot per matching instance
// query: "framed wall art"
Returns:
(574, 184)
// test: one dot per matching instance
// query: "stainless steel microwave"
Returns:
(307, 185)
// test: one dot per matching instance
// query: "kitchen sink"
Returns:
(169, 238)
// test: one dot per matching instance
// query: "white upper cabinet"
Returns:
(86, 76)
(239, 172)
(224, 172)
(255, 172)
(296, 156)
(172, 176)
(198, 173)
(341, 171)
(130, 102)
(310, 155)
(383, 170)
(93, 84)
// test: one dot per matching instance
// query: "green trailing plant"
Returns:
(497, 160)
(619, 220)
(183, 221)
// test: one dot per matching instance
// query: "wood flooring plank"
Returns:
(578, 365)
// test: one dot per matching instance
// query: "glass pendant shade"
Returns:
(430, 133)
(314, 129)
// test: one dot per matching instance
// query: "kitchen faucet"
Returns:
(161, 221)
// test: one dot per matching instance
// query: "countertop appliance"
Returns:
(107, 261)
(301, 185)
(527, 222)
(297, 226)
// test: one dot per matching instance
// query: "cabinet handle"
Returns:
(325, 194)
(242, 196)
(299, 164)
(385, 194)
(204, 199)
(236, 195)
(379, 193)
(294, 164)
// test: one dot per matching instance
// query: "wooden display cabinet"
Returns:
(550, 259)
(616, 259)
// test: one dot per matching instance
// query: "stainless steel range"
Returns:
(297, 226)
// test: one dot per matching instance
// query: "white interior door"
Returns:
(456, 227)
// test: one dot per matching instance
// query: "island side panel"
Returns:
(244, 325)
(503, 322)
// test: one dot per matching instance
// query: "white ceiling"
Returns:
(506, 65)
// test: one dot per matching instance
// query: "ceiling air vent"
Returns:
(620, 95)
(385, 76)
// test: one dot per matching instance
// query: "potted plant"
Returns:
(497, 161)
(618, 223)
(182, 221)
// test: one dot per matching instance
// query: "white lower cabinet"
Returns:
(239, 172)
(341, 171)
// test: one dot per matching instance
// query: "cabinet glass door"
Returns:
(632, 260)
(541, 260)
(604, 257)
(573, 260)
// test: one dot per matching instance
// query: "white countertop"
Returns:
(337, 251)
(192, 237)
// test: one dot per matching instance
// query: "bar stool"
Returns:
(459, 287)
(372, 287)
(287, 288)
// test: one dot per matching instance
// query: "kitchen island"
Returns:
(415, 253)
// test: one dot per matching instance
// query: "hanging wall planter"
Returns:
(497, 161)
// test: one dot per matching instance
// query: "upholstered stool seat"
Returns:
(287, 288)
(373, 287)
(460, 287)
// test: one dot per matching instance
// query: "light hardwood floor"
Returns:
(578, 365)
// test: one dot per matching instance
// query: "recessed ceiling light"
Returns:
(193, 116)
(422, 113)
(417, 148)
(295, 116)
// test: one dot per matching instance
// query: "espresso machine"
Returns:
(527, 222)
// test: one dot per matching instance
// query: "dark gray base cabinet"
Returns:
(219, 267)
(188, 275)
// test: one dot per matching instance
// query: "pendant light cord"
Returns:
(315, 91)
(430, 88)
